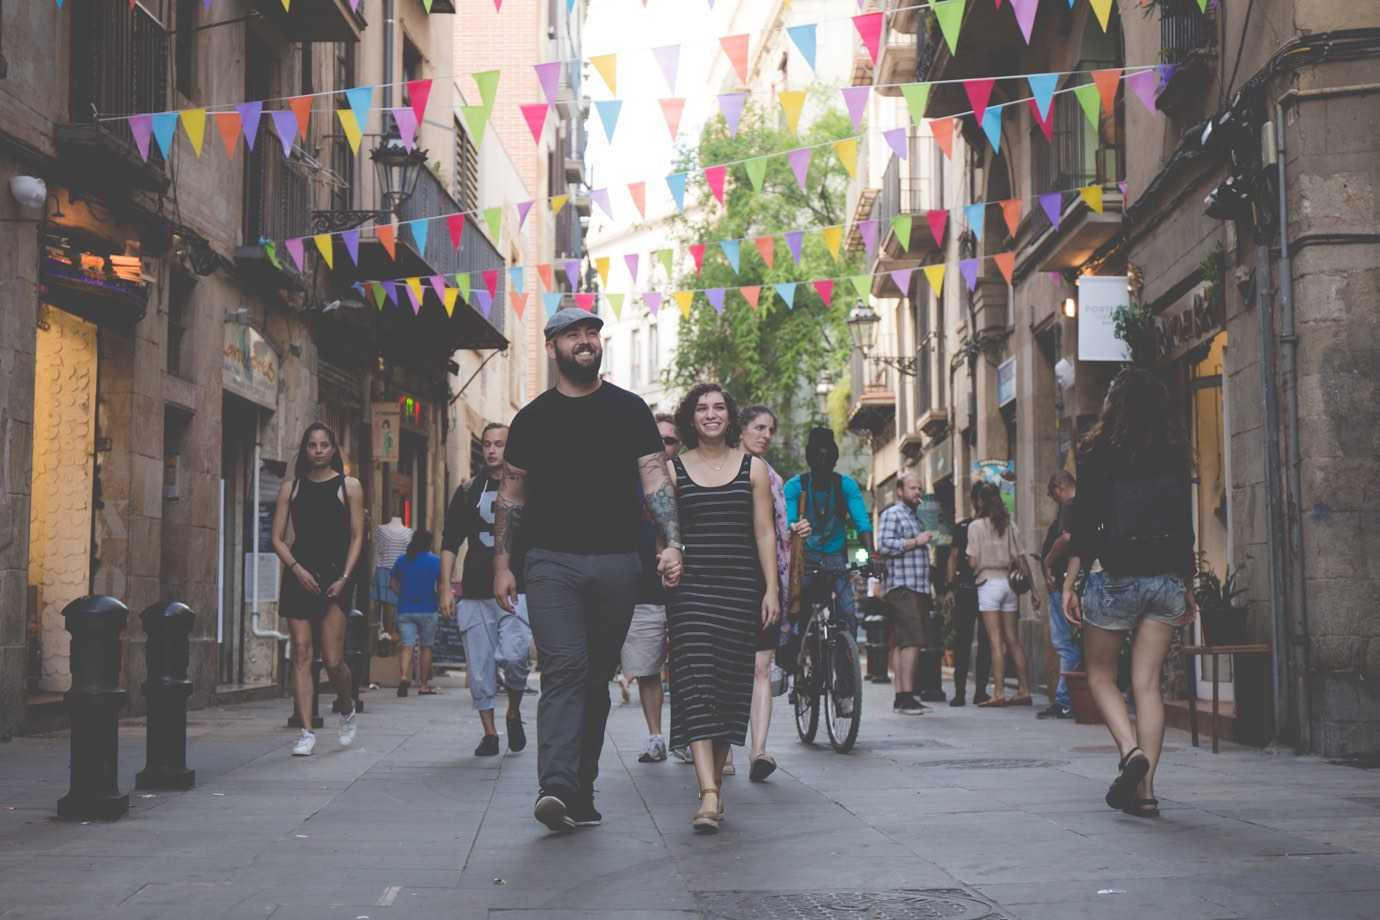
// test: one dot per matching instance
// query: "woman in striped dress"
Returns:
(728, 589)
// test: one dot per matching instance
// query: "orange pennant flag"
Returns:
(1106, 81)
(388, 235)
(1006, 264)
(766, 247)
(544, 273)
(519, 301)
(1011, 210)
(638, 191)
(736, 47)
(751, 293)
(943, 130)
(301, 108)
(228, 124)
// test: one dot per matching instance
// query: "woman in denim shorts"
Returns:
(416, 578)
(1133, 514)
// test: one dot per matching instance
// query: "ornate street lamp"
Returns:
(863, 323)
(396, 171)
(823, 387)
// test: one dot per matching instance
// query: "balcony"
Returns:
(896, 61)
(119, 66)
(874, 399)
(905, 16)
(1188, 40)
(277, 206)
(317, 20)
(906, 189)
(570, 235)
(574, 171)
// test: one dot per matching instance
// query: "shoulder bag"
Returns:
(1018, 576)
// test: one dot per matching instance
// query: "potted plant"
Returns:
(1219, 605)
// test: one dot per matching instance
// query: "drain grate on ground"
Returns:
(926, 904)
(989, 764)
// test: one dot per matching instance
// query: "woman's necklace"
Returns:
(717, 468)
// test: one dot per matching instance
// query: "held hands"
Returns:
(1073, 606)
(1190, 608)
(771, 609)
(670, 565)
(306, 580)
(505, 589)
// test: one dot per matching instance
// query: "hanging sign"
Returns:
(387, 431)
(250, 366)
(1188, 322)
(1099, 297)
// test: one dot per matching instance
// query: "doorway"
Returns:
(1211, 485)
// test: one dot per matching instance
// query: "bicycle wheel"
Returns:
(805, 693)
(843, 690)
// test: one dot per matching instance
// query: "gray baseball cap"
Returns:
(568, 317)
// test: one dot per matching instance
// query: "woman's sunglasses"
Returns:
(670, 442)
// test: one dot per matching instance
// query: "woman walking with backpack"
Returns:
(1132, 513)
(994, 550)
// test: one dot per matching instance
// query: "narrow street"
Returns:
(967, 813)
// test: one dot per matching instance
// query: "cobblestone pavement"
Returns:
(957, 813)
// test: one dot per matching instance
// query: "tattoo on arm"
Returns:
(508, 508)
(661, 496)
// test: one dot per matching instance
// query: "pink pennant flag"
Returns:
(672, 109)
(418, 92)
(141, 126)
(766, 248)
(714, 175)
(535, 115)
(631, 259)
(653, 301)
(406, 120)
(825, 289)
(979, 92)
(800, 164)
(1145, 84)
(855, 98)
(731, 105)
(969, 267)
(752, 293)
(549, 76)
(523, 209)
(455, 223)
(1025, 16)
(697, 253)
(896, 140)
(1046, 122)
(491, 281)
(585, 301)
(637, 191)
(736, 47)
(901, 278)
(938, 220)
(438, 284)
(869, 26)
(868, 229)
(794, 240)
(295, 249)
(414, 296)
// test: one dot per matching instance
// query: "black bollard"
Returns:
(93, 705)
(168, 628)
(876, 623)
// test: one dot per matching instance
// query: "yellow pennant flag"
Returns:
(847, 151)
(350, 124)
(558, 202)
(934, 274)
(194, 123)
(449, 300)
(683, 300)
(415, 286)
(326, 246)
(833, 240)
(792, 103)
(616, 302)
(1103, 10)
(601, 264)
(287, 6)
(607, 65)
(1092, 195)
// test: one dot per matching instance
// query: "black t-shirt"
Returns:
(1062, 524)
(580, 454)
(967, 579)
(470, 516)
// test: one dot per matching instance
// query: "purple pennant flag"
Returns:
(523, 209)
(716, 297)
(800, 164)
(1166, 72)
(141, 126)
(600, 196)
(653, 301)
(731, 105)
(1121, 187)
(549, 75)
(406, 120)
(351, 238)
(868, 229)
(1145, 85)
(969, 269)
(390, 290)
(896, 139)
(250, 113)
(285, 124)
(901, 278)
(793, 239)
(668, 59)
(416, 301)
(438, 284)
(486, 301)
(855, 97)
(1025, 16)
(572, 273)
(630, 260)
(1053, 205)
(294, 248)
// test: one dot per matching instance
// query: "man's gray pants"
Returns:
(580, 607)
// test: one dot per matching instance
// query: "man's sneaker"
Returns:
(958, 701)
(933, 696)
(306, 743)
(583, 812)
(654, 751)
(517, 735)
(910, 706)
(682, 754)
(488, 747)
(896, 702)
(347, 728)
(551, 810)
(1055, 711)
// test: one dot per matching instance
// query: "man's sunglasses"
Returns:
(670, 442)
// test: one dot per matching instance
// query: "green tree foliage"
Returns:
(771, 355)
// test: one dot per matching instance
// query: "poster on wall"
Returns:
(1099, 297)
(387, 427)
(1002, 474)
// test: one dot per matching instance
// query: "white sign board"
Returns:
(1099, 296)
(1006, 382)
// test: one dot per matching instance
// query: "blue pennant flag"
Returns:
(976, 215)
(164, 128)
(360, 98)
(731, 250)
(804, 38)
(1042, 87)
(608, 114)
(786, 290)
(552, 302)
(516, 279)
(676, 183)
(419, 230)
(991, 126)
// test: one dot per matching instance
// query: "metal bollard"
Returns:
(168, 628)
(876, 626)
(93, 704)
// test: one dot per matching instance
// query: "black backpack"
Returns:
(1144, 520)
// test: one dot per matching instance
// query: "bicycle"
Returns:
(828, 671)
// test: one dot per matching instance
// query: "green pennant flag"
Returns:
(757, 171)
(950, 16)
(426, 5)
(900, 225)
(616, 302)
(487, 81)
(494, 218)
(476, 119)
(666, 256)
(917, 97)
(863, 285)
(463, 283)
(1090, 101)
(379, 294)
(271, 250)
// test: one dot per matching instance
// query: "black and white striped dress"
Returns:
(716, 612)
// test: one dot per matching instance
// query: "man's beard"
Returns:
(577, 372)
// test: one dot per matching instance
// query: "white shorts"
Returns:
(995, 594)
(644, 651)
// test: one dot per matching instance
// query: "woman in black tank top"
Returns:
(326, 510)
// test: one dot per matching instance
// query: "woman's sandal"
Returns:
(1143, 808)
(762, 767)
(1021, 701)
(1133, 767)
(707, 822)
(995, 702)
(427, 691)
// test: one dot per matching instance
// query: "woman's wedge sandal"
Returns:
(762, 767)
(1143, 808)
(1133, 768)
(707, 822)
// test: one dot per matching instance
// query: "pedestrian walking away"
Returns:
(904, 548)
(325, 509)
(390, 542)
(1133, 514)
(415, 580)
(963, 607)
(498, 644)
(576, 455)
(728, 593)
(644, 650)
(1055, 559)
(994, 547)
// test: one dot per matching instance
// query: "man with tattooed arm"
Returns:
(575, 456)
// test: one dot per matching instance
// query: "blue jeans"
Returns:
(1069, 652)
(834, 572)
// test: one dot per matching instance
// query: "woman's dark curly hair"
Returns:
(1138, 423)
(685, 416)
